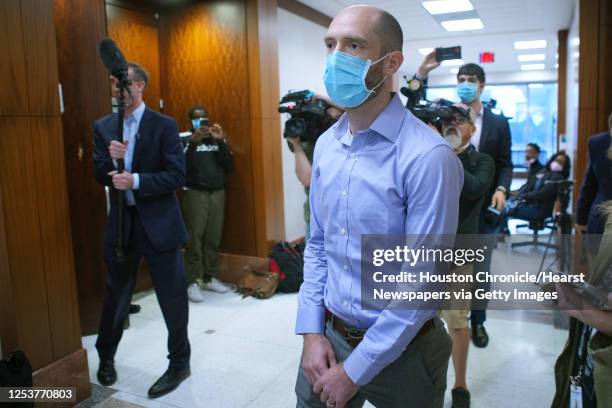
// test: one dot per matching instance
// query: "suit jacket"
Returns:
(495, 140)
(597, 184)
(542, 195)
(160, 163)
(534, 169)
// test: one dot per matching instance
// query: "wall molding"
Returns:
(302, 10)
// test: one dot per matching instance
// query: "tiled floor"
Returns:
(245, 355)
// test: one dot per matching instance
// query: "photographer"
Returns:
(492, 137)
(478, 172)
(304, 149)
(208, 160)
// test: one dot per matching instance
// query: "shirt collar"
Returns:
(387, 124)
(137, 114)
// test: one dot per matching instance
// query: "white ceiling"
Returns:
(505, 21)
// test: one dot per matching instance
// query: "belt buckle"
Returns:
(353, 334)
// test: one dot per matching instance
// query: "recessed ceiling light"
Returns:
(447, 6)
(536, 86)
(528, 45)
(576, 55)
(531, 57)
(575, 41)
(557, 65)
(425, 51)
(467, 24)
(452, 63)
(533, 67)
(454, 70)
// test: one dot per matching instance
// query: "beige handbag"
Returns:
(259, 284)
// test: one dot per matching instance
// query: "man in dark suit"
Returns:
(493, 138)
(153, 227)
(597, 184)
(532, 154)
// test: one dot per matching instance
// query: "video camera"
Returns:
(432, 113)
(308, 118)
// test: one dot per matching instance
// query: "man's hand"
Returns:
(122, 181)
(428, 65)
(335, 387)
(117, 150)
(198, 135)
(498, 200)
(216, 132)
(295, 142)
(317, 356)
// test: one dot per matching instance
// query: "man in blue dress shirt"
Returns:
(378, 170)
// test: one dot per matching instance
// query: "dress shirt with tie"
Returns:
(130, 133)
(397, 177)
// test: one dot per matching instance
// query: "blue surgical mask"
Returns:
(345, 77)
(467, 91)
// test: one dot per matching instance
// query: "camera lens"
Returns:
(295, 127)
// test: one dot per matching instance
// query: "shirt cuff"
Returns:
(359, 368)
(310, 319)
(136, 184)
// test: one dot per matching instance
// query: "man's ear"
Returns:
(394, 62)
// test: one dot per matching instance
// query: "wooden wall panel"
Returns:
(14, 92)
(35, 235)
(265, 126)
(8, 329)
(605, 62)
(562, 83)
(136, 34)
(24, 239)
(595, 74)
(80, 26)
(40, 57)
(205, 62)
(54, 224)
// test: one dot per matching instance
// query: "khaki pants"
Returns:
(203, 212)
(457, 313)
(417, 379)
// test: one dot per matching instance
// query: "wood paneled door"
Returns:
(136, 33)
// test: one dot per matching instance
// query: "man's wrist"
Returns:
(502, 189)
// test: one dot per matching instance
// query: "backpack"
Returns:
(288, 261)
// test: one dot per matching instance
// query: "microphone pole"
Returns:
(117, 65)
(120, 198)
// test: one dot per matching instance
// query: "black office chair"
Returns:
(558, 219)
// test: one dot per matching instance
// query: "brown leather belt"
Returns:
(354, 336)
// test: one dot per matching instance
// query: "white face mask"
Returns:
(453, 137)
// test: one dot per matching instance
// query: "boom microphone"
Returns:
(113, 59)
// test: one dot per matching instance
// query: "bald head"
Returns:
(381, 24)
(389, 31)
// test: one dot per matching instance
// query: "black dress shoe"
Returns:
(106, 373)
(168, 382)
(461, 398)
(134, 308)
(480, 338)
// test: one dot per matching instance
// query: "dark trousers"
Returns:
(168, 276)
